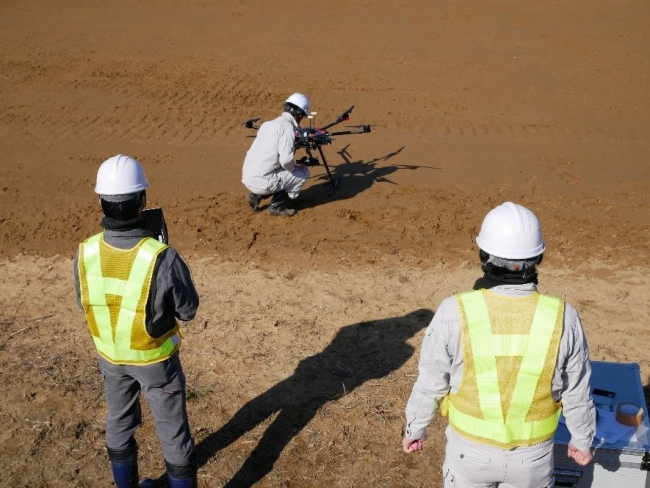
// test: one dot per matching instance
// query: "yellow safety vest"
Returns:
(114, 286)
(510, 348)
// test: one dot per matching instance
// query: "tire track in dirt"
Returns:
(179, 108)
(191, 104)
(196, 124)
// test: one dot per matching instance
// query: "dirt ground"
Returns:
(305, 348)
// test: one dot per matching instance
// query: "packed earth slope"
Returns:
(302, 356)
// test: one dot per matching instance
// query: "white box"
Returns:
(624, 463)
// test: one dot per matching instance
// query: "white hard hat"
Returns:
(299, 100)
(120, 175)
(511, 231)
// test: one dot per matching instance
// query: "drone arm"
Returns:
(341, 118)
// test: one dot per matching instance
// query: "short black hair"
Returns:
(126, 210)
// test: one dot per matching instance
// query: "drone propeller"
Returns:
(341, 118)
(250, 123)
(362, 129)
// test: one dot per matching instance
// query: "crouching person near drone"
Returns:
(269, 166)
(502, 362)
(133, 289)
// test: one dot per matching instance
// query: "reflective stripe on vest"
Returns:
(511, 428)
(113, 341)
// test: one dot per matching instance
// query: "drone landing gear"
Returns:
(334, 182)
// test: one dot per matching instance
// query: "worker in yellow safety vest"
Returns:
(133, 290)
(503, 362)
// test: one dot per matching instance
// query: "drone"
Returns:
(313, 138)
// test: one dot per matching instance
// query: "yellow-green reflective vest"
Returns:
(510, 347)
(114, 286)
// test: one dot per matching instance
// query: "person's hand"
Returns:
(411, 445)
(581, 457)
(307, 161)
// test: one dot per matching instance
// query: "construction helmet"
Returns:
(511, 231)
(120, 175)
(299, 101)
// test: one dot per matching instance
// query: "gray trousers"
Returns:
(289, 181)
(163, 386)
(469, 464)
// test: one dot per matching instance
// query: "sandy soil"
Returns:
(305, 347)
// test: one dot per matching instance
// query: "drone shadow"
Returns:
(358, 353)
(355, 176)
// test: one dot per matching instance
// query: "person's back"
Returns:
(263, 157)
(498, 360)
(133, 290)
(512, 343)
(269, 167)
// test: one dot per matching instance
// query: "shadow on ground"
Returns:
(359, 353)
(353, 176)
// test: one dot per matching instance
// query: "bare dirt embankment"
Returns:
(305, 347)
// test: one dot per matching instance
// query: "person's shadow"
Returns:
(355, 176)
(359, 352)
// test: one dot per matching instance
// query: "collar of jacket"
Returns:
(290, 118)
(488, 284)
(125, 228)
(128, 233)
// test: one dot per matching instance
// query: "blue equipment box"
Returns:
(624, 463)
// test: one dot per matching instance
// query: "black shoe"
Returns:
(254, 200)
(281, 209)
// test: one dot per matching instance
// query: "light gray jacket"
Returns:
(272, 151)
(441, 370)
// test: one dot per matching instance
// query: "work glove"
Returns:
(307, 161)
